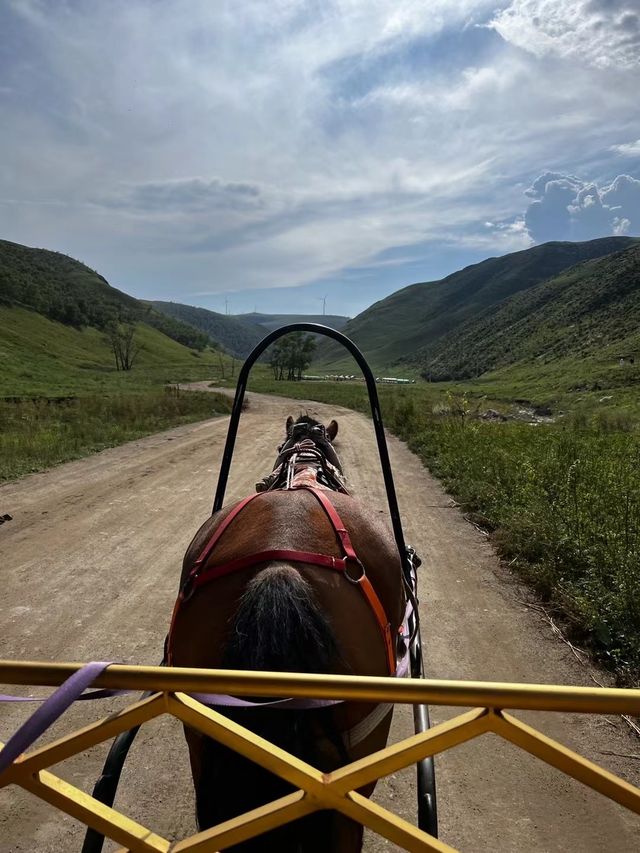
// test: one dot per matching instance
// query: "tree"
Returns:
(293, 354)
(277, 358)
(125, 348)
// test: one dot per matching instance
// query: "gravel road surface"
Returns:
(89, 567)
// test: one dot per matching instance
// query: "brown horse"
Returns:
(252, 597)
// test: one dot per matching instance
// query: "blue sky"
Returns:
(269, 155)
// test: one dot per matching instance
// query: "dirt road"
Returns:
(89, 567)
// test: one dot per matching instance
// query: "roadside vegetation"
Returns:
(39, 433)
(62, 396)
(561, 501)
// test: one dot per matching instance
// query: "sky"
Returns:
(281, 155)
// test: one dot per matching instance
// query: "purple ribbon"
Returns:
(49, 711)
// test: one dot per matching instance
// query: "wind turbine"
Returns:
(323, 299)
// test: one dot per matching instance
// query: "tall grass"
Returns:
(562, 502)
(35, 434)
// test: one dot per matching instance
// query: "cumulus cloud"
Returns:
(604, 33)
(567, 208)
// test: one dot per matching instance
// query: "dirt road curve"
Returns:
(89, 567)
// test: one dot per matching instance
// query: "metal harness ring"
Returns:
(357, 580)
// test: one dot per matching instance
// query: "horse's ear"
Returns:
(332, 430)
(289, 425)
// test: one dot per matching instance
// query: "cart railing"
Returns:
(488, 701)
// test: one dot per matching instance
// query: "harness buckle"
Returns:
(353, 580)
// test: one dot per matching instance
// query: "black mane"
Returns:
(309, 422)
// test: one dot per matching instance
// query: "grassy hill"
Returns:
(42, 357)
(65, 290)
(417, 317)
(61, 395)
(234, 334)
(59, 287)
(55, 315)
(274, 321)
(589, 311)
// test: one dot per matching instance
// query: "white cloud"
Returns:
(566, 208)
(604, 33)
(621, 227)
(628, 149)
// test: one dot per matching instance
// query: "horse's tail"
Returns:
(279, 626)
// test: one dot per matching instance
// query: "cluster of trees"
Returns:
(292, 354)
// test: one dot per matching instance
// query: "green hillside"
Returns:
(417, 317)
(591, 310)
(274, 321)
(59, 287)
(63, 289)
(56, 319)
(239, 334)
(62, 395)
(235, 335)
(42, 357)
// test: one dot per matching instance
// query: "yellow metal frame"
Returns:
(313, 790)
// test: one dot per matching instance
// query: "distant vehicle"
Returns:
(392, 380)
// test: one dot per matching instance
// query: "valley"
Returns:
(534, 430)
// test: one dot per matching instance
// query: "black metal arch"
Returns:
(376, 414)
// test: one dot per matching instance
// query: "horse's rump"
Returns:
(294, 520)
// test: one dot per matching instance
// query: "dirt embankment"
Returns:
(90, 564)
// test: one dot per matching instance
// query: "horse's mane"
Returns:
(308, 420)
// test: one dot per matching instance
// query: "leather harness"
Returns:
(201, 574)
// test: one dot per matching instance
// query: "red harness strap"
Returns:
(200, 576)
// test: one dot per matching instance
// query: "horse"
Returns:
(299, 577)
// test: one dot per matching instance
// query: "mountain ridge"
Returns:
(414, 317)
(582, 311)
(235, 335)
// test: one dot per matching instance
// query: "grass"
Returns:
(41, 357)
(36, 434)
(563, 504)
(561, 501)
(61, 396)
